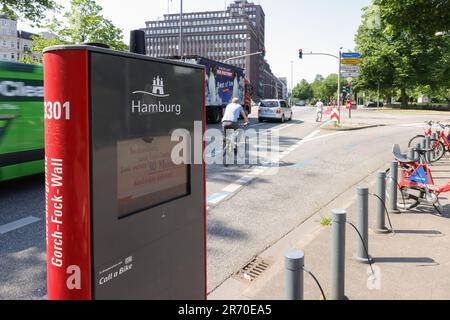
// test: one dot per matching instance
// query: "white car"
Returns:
(274, 110)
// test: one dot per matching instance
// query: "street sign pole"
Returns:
(339, 85)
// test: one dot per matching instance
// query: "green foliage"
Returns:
(326, 88)
(83, 23)
(326, 221)
(416, 16)
(38, 45)
(398, 58)
(32, 10)
(303, 91)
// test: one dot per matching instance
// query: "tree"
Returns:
(402, 60)
(303, 91)
(32, 10)
(84, 23)
(326, 88)
(416, 16)
(37, 47)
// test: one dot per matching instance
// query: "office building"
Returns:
(14, 44)
(217, 35)
(8, 39)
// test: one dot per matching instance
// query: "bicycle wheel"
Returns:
(416, 140)
(439, 208)
(407, 198)
(438, 150)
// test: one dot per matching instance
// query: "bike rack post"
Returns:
(362, 224)
(338, 254)
(416, 153)
(428, 143)
(294, 262)
(424, 147)
(393, 183)
(411, 153)
(380, 208)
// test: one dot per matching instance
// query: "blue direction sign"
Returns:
(351, 55)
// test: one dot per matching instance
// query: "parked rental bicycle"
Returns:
(415, 184)
(438, 147)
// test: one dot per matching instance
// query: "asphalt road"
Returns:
(250, 207)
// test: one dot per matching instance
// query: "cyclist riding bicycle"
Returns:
(319, 111)
(231, 116)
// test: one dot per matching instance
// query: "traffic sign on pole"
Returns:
(335, 115)
(348, 104)
(351, 61)
(350, 68)
(350, 74)
(351, 55)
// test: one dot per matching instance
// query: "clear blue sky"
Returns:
(314, 25)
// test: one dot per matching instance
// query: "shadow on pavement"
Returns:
(420, 232)
(221, 230)
(417, 260)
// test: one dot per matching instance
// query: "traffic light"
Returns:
(300, 53)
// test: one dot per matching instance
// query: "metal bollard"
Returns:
(393, 185)
(362, 224)
(338, 254)
(416, 153)
(294, 261)
(380, 209)
(411, 153)
(424, 147)
(428, 154)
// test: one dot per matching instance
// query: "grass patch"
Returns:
(326, 222)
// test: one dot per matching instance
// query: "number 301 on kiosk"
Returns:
(57, 110)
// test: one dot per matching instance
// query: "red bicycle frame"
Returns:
(418, 175)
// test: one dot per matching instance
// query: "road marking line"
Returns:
(245, 180)
(257, 172)
(282, 127)
(412, 125)
(18, 224)
(311, 135)
(325, 136)
(217, 197)
(232, 188)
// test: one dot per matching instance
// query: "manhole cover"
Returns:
(253, 270)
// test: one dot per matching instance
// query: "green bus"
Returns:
(21, 120)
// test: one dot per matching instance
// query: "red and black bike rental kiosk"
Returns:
(123, 220)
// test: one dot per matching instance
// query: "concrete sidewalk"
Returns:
(412, 263)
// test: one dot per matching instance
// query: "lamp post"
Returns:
(339, 81)
(292, 82)
(180, 45)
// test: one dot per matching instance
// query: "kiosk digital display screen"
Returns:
(136, 106)
(146, 174)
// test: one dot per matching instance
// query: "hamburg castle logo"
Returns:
(149, 106)
(157, 88)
